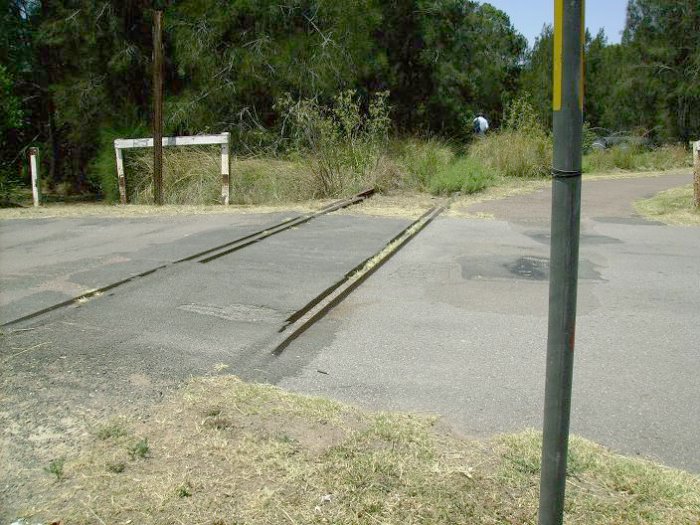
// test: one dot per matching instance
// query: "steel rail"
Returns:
(228, 247)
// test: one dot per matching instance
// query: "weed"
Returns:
(56, 468)
(184, 490)
(345, 142)
(421, 160)
(111, 430)
(523, 148)
(635, 158)
(102, 173)
(191, 175)
(213, 412)
(466, 175)
(218, 422)
(116, 468)
(140, 449)
(11, 190)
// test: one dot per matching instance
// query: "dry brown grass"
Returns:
(674, 206)
(146, 210)
(222, 452)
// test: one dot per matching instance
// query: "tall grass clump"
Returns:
(344, 143)
(191, 175)
(465, 175)
(420, 160)
(102, 174)
(11, 189)
(522, 148)
(261, 180)
(636, 158)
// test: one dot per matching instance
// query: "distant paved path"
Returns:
(600, 199)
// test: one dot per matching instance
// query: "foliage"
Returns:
(674, 206)
(633, 158)
(139, 450)
(421, 160)
(233, 63)
(191, 175)
(56, 468)
(447, 60)
(94, 60)
(466, 175)
(73, 72)
(10, 105)
(523, 148)
(102, 171)
(661, 75)
(11, 191)
(344, 141)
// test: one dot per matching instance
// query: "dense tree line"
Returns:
(76, 73)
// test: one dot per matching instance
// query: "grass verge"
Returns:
(222, 451)
(637, 159)
(674, 206)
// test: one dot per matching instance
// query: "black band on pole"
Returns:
(565, 173)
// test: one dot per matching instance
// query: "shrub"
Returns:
(522, 148)
(345, 142)
(466, 175)
(665, 157)
(625, 157)
(420, 160)
(191, 175)
(56, 468)
(11, 189)
(102, 173)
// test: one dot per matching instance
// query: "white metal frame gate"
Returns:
(194, 140)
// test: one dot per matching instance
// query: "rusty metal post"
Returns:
(157, 107)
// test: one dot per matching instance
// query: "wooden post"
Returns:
(34, 169)
(225, 176)
(120, 173)
(696, 173)
(157, 107)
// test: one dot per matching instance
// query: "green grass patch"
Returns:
(515, 153)
(674, 206)
(465, 175)
(420, 160)
(111, 430)
(286, 458)
(56, 468)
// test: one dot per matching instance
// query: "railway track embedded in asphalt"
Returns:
(202, 256)
(297, 323)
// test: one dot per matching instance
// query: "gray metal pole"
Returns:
(566, 213)
(158, 107)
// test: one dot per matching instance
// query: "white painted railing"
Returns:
(696, 173)
(194, 140)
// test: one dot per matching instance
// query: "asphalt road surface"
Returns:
(454, 324)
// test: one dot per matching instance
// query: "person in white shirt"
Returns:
(481, 125)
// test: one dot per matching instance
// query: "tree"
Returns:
(663, 37)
